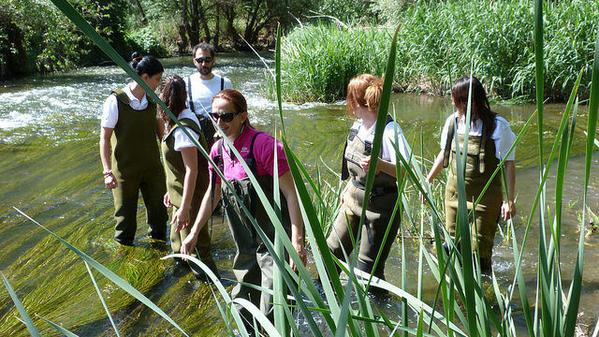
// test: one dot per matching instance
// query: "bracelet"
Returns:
(107, 173)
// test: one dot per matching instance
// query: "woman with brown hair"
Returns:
(186, 169)
(253, 263)
(363, 98)
(489, 141)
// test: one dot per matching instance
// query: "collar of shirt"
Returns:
(134, 101)
(242, 143)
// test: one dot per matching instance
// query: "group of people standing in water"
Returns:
(132, 125)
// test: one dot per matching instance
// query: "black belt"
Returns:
(376, 190)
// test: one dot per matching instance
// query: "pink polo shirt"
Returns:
(263, 155)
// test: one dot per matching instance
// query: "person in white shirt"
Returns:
(130, 155)
(363, 98)
(186, 171)
(489, 140)
(204, 85)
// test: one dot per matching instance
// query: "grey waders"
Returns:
(378, 214)
(136, 167)
(253, 263)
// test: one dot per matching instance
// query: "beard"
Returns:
(205, 70)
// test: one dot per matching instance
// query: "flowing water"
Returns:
(50, 169)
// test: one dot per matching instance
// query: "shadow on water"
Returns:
(49, 167)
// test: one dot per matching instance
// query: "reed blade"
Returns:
(99, 292)
(59, 328)
(259, 316)
(20, 308)
(576, 286)
(114, 278)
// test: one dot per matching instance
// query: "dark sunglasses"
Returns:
(225, 116)
(201, 60)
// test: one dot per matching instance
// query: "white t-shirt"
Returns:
(202, 92)
(181, 139)
(110, 110)
(502, 136)
(387, 148)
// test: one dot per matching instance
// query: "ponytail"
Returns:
(364, 90)
(373, 93)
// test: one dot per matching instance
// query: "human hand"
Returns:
(166, 200)
(365, 163)
(181, 218)
(189, 244)
(508, 210)
(301, 252)
(109, 180)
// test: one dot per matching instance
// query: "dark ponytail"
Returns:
(146, 64)
(173, 93)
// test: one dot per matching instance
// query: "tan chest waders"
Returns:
(175, 178)
(378, 214)
(480, 164)
(136, 166)
(253, 263)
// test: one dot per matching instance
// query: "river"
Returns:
(50, 169)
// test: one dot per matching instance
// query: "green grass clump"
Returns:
(438, 42)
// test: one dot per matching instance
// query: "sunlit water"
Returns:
(49, 129)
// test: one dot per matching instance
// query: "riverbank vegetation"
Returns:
(36, 38)
(438, 42)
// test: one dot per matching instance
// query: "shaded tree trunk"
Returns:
(228, 9)
(194, 31)
(141, 11)
(216, 40)
(203, 20)
(250, 34)
(182, 41)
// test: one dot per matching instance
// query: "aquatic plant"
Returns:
(461, 306)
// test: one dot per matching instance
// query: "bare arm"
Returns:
(105, 151)
(206, 209)
(297, 225)
(508, 209)
(190, 160)
(437, 167)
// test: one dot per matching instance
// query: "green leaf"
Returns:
(108, 274)
(59, 328)
(20, 308)
(91, 275)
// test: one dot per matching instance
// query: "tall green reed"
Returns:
(435, 47)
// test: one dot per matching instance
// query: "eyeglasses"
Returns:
(206, 59)
(224, 116)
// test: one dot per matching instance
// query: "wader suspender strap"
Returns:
(218, 160)
(189, 97)
(481, 151)
(344, 169)
(448, 140)
(368, 146)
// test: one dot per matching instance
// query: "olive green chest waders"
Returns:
(136, 167)
(481, 162)
(253, 263)
(175, 178)
(378, 214)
